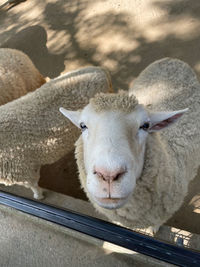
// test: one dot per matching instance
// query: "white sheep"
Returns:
(34, 133)
(131, 171)
(18, 75)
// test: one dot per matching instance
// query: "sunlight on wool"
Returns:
(147, 99)
(51, 141)
(57, 129)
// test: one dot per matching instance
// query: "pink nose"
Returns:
(107, 175)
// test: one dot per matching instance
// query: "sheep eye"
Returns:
(145, 126)
(83, 126)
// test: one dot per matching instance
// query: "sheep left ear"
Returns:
(73, 116)
(161, 120)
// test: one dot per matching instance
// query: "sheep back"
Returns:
(18, 75)
(168, 84)
(32, 130)
(171, 84)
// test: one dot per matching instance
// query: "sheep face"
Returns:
(114, 149)
(114, 146)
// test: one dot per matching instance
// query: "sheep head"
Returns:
(115, 129)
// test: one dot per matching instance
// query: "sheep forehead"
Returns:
(114, 102)
(108, 118)
(113, 119)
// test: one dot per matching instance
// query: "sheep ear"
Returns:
(161, 120)
(73, 116)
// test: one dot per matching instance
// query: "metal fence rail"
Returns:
(104, 230)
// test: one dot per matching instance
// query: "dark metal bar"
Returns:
(104, 230)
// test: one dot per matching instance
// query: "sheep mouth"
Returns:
(110, 203)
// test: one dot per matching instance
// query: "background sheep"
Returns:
(33, 133)
(132, 173)
(18, 75)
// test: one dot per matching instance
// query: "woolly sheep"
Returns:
(133, 173)
(18, 75)
(34, 133)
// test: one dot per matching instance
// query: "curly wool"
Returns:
(18, 75)
(120, 102)
(172, 156)
(32, 130)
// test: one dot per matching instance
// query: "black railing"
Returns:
(104, 231)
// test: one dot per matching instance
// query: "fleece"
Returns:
(32, 130)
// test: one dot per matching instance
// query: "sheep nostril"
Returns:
(118, 176)
(109, 176)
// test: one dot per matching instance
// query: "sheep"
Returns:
(31, 132)
(132, 172)
(18, 75)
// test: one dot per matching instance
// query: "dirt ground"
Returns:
(123, 36)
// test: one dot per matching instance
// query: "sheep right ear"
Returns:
(73, 116)
(161, 120)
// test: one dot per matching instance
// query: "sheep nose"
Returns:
(109, 176)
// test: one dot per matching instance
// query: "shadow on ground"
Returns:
(114, 38)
